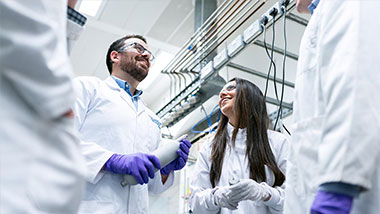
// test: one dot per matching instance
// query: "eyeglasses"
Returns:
(139, 49)
(228, 88)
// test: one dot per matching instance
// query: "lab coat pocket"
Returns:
(303, 156)
(96, 207)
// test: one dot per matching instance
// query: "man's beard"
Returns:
(132, 69)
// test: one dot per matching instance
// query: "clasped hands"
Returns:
(247, 189)
(142, 166)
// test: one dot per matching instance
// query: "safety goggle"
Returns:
(228, 88)
(140, 49)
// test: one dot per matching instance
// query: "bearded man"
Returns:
(118, 133)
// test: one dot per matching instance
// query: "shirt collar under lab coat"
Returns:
(313, 6)
(110, 81)
(125, 86)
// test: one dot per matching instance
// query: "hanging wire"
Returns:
(270, 57)
(208, 118)
(279, 114)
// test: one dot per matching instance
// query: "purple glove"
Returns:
(331, 203)
(138, 165)
(180, 161)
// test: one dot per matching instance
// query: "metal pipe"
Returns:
(217, 22)
(179, 82)
(195, 36)
(276, 49)
(171, 85)
(184, 79)
(183, 59)
(213, 32)
(258, 73)
(297, 19)
(191, 60)
(213, 42)
(235, 27)
(277, 103)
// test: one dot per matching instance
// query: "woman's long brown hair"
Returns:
(251, 113)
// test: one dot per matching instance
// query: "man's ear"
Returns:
(302, 6)
(115, 57)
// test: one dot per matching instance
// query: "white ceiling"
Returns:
(167, 25)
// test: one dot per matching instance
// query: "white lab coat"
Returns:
(235, 163)
(108, 123)
(41, 169)
(336, 110)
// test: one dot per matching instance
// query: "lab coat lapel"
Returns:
(141, 106)
(114, 86)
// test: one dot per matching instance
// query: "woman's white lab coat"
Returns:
(236, 164)
(41, 168)
(108, 123)
(336, 107)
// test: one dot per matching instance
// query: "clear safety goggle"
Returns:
(228, 88)
(140, 49)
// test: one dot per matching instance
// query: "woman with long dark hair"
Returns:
(242, 169)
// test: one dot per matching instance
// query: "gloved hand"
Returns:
(248, 189)
(221, 199)
(180, 161)
(138, 165)
(331, 203)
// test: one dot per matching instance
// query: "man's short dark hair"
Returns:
(116, 45)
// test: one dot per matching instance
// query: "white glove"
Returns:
(247, 189)
(221, 200)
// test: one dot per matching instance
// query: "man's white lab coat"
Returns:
(41, 169)
(336, 133)
(108, 123)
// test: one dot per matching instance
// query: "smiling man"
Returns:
(118, 133)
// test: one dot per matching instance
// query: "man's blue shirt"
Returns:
(125, 86)
(313, 6)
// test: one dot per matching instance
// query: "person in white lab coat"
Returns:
(243, 150)
(118, 132)
(41, 168)
(334, 156)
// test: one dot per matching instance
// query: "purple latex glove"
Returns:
(331, 203)
(138, 165)
(180, 161)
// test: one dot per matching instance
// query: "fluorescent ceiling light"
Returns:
(90, 7)
(159, 64)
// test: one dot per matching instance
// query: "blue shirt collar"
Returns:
(125, 86)
(313, 6)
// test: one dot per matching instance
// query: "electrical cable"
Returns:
(271, 59)
(270, 65)
(279, 114)
(208, 118)
(208, 122)
(286, 129)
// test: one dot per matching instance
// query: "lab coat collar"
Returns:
(126, 87)
(114, 86)
(241, 136)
